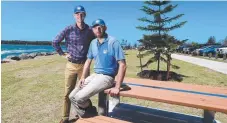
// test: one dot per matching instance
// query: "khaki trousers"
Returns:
(72, 72)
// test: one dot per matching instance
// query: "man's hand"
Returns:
(114, 91)
(66, 55)
(81, 82)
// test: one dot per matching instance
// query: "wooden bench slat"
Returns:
(185, 99)
(176, 85)
(100, 119)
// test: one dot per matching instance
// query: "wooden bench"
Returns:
(210, 99)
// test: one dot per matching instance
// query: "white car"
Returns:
(222, 50)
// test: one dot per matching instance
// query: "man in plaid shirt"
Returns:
(77, 38)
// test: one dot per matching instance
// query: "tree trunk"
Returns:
(158, 61)
(159, 32)
(168, 68)
(140, 63)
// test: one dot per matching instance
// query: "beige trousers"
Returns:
(72, 72)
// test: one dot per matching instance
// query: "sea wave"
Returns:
(21, 51)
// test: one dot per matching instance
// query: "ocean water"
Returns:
(10, 49)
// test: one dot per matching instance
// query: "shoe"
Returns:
(64, 121)
(91, 111)
(86, 112)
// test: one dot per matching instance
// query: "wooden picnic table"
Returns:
(210, 99)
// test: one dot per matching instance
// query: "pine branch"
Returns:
(148, 10)
(151, 27)
(157, 3)
(141, 48)
(178, 25)
(151, 60)
(147, 53)
(172, 65)
(144, 19)
(163, 59)
(154, 27)
(147, 43)
(169, 20)
(165, 2)
(168, 8)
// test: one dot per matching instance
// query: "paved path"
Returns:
(214, 65)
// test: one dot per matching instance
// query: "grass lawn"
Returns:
(32, 90)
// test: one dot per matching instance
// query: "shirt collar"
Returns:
(105, 39)
(84, 27)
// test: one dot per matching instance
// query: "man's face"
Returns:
(79, 16)
(99, 31)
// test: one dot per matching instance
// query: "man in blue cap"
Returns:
(77, 38)
(109, 62)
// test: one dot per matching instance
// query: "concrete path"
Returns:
(214, 65)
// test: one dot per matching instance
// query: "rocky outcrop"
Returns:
(25, 56)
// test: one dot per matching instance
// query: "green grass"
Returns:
(32, 90)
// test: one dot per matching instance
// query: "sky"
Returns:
(43, 20)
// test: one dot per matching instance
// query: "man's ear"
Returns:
(74, 15)
(105, 28)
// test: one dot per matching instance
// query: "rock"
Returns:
(43, 54)
(38, 54)
(4, 61)
(24, 56)
(17, 58)
(33, 55)
(49, 53)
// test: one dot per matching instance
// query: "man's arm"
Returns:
(56, 42)
(120, 57)
(120, 77)
(86, 68)
(121, 73)
(85, 72)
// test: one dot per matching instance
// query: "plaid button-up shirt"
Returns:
(77, 41)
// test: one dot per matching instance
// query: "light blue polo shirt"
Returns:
(106, 55)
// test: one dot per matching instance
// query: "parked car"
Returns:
(180, 48)
(197, 51)
(221, 51)
(188, 50)
(211, 49)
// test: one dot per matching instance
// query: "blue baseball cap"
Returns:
(98, 22)
(79, 9)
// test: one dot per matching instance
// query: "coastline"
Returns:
(25, 56)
